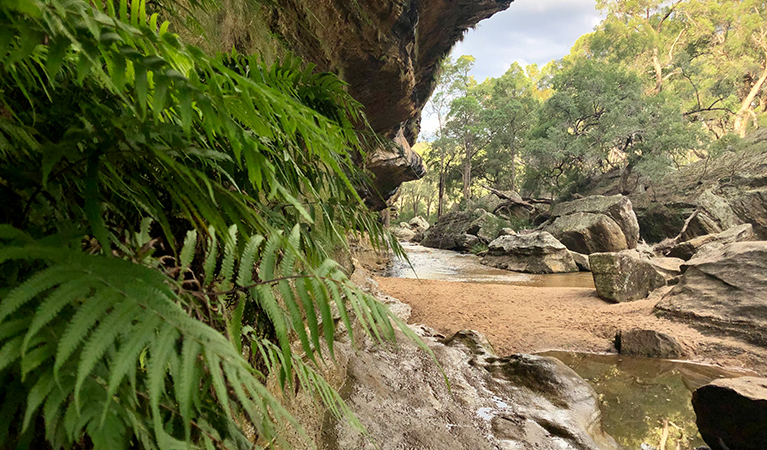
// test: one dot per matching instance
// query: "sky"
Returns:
(530, 31)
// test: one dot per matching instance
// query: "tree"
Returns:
(453, 82)
(598, 119)
(510, 106)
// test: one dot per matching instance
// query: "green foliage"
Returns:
(598, 119)
(112, 330)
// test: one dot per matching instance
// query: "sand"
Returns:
(533, 319)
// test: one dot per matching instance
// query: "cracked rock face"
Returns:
(388, 51)
(515, 402)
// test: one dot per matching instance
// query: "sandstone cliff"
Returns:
(389, 52)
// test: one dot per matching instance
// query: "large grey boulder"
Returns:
(616, 207)
(687, 249)
(451, 230)
(536, 252)
(732, 413)
(724, 290)
(588, 233)
(419, 224)
(624, 276)
(403, 232)
(518, 402)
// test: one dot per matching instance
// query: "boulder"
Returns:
(451, 230)
(588, 233)
(486, 226)
(507, 232)
(668, 267)
(687, 249)
(536, 252)
(725, 291)
(403, 232)
(467, 241)
(732, 413)
(616, 207)
(582, 261)
(448, 231)
(650, 343)
(518, 402)
(419, 224)
(624, 276)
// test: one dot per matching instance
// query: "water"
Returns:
(435, 264)
(638, 394)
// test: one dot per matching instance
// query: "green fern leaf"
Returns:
(187, 251)
(86, 316)
(210, 260)
(48, 310)
(101, 339)
(185, 383)
(35, 357)
(235, 329)
(127, 356)
(286, 292)
(248, 260)
(227, 266)
(37, 284)
(37, 396)
(13, 327)
(158, 362)
(269, 258)
(10, 352)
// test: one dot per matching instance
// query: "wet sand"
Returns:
(533, 319)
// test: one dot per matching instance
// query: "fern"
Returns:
(170, 217)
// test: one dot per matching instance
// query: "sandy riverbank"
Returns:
(532, 319)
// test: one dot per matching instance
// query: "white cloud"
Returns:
(530, 31)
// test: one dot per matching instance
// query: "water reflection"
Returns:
(436, 264)
(642, 397)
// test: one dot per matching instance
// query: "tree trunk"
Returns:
(428, 208)
(658, 71)
(466, 176)
(513, 168)
(416, 201)
(441, 189)
(625, 174)
(441, 196)
(741, 119)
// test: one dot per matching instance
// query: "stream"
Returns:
(447, 265)
(639, 396)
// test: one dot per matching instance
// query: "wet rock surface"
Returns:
(732, 413)
(724, 291)
(624, 276)
(536, 252)
(649, 343)
(520, 401)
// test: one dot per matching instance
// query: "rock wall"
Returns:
(721, 193)
(389, 53)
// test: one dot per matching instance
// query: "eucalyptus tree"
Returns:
(510, 107)
(598, 119)
(453, 82)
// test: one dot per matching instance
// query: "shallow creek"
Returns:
(434, 264)
(640, 397)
